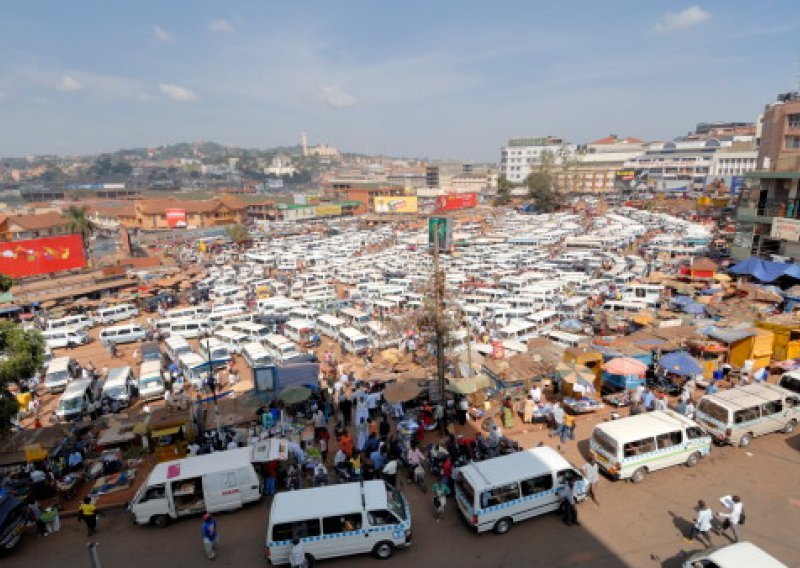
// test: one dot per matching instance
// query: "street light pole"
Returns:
(212, 384)
(438, 296)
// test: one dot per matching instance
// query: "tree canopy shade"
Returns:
(5, 283)
(21, 354)
(238, 233)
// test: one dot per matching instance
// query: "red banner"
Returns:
(453, 201)
(41, 256)
(176, 218)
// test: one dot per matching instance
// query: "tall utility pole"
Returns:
(438, 297)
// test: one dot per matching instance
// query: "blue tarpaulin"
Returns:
(680, 363)
(765, 270)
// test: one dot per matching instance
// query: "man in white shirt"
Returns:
(733, 518)
(591, 471)
(702, 524)
(297, 556)
(536, 393)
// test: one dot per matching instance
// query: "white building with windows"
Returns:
(518, 158)
(731, 162)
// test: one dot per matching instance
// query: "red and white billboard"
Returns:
(453, 201)
(41, 256)
(176, 218)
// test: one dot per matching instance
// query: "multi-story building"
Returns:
(768, 212)
(23, 227)
(737, 160)
(520, 156)
(151, 214)
(595, 166)
(675, 165)
(363, 191)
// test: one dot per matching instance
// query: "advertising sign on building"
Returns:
(328, 210)
(785, 229)
(41, 256)
(440, 229)
(625, 180)
(176, 218)
(454, 201)
(396, 204)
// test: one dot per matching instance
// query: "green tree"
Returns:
(79, 223)
(5, 283)
(238, 234)
(504, 188)
(541, 183)
(22, 353)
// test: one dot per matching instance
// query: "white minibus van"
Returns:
(338, 520)
(188, 328)
(119, 386)
(151, 383)
(176, 346)
(64, 337)
(77, 399)
(632, 447)
(280, 348)
(232, 340)
(736, 416)
(127, 333)
(220, 481)
(80, 322)
(256, 355)
(353, 341)
(113, 314)
(59, 372)
(330, 325)
(299, 330)
(496, 493)
(254, 331)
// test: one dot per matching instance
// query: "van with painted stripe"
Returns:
(736, 416)
(338, 520)
(632, 447)
(496, 493)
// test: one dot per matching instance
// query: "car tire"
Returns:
(639, 475)
(693, 459)
(745, 440)
(310, 561)
(502, 526)
(790, 426)
(383, 550)
(160, 521)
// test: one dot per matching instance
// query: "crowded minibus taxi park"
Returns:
(496, 493)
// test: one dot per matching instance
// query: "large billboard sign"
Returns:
(396, 204)
(41, 256)
(625, 180)
(440, 229)
(453, 201)
(176, 218)
(328, 210)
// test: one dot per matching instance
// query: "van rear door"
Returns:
(221, 491)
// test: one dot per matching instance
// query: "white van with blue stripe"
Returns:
(496, 493)
(632, 447)
(338, 520)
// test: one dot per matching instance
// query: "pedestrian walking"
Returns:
(591, 471)
(568, 428)
(702, 523)
(558, 420)
(733, 517)
(87, 512)
(209, 532)
(440, 491)
(568, 510)
(297, 555)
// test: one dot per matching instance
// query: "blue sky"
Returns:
(439, 79)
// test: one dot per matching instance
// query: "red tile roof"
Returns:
(42, 221)
(611, 139)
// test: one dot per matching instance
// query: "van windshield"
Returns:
(56, 377)
(395, 503)
(70, 404)
(714, 410)
(606, 443)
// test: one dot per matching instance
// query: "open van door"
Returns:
(269, 450)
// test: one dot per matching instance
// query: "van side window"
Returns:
(643, 446)
(153, 493)
(792, 401)
(746, 414)
(381, 518)
(668, 440)
(771, 407)
(499, 495)
(536, 485)
(341, 523)
(299, 529)
(693, 433)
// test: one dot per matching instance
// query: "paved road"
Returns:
(634, 525)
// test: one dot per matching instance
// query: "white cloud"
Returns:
(68, 84)
(162, 36)
(221, 26)
(177, 93)
(335, 97)
(678, 21)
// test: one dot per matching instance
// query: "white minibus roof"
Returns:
(58, 365)
(510, 468)
(644, 425)
(749, 395)
(327, 501)
(76, 388)
(197, 466)
(150, 368)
